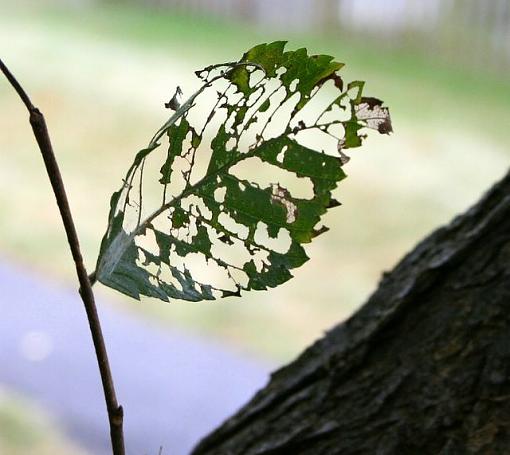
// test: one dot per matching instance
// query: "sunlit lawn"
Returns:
(102, 76)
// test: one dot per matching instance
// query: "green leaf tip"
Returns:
(248, 170)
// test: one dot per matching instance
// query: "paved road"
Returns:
(174, 388)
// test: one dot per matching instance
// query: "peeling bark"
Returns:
(422, 368)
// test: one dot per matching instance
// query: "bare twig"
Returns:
(38, 123)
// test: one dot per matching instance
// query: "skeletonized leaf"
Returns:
(247, 171)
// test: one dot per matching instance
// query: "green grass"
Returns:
(25, 430)
(434, 82)
(101, 76)
(420, 87)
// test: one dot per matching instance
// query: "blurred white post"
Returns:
(245, 10)
(327, 16)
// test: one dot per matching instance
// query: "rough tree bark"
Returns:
(422, 368)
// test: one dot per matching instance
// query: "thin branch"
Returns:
(38, 123)
(140, 193)
(16, 85)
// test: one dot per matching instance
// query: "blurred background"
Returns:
(101, 72)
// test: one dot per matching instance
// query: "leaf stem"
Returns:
(38, 123)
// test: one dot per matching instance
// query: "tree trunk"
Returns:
(422, 368)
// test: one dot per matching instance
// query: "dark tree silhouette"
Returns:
(422, 368)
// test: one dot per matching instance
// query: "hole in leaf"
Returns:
(179, 168)
(239, 277)
(148, 242)
(317, 140)
(196, 206)
(231, 143)
(206, 271)
(166, 274)
(260, 260)
(234, 254)
(219, 194)
(280, 244)
(335, 114)
(293, 85)
(240, 230)
(264, 175)
(280, 115)
(337, 130)
(256, 77)
(280, 157)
